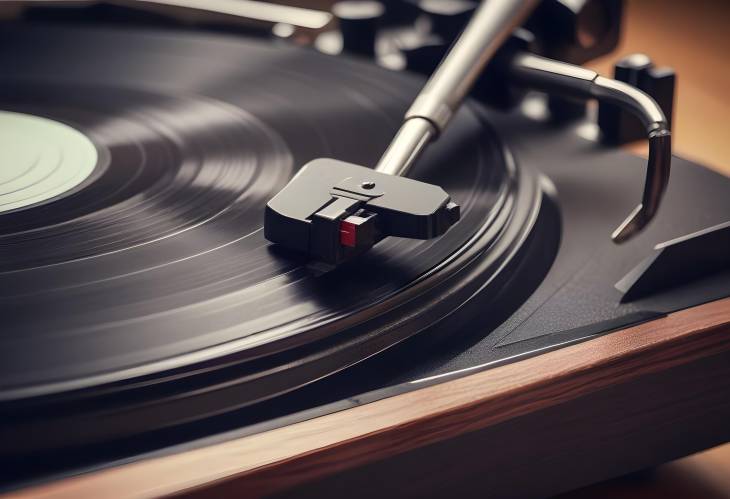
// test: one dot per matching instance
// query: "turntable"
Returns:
(465, 320)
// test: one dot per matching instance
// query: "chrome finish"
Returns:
(491, 24)
(489, 27)
(657, 179)
(562, 78)
(407, 145)
(630, 98)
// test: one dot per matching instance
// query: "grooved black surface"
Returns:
(161, 263)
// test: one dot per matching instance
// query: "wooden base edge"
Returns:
(604, 372)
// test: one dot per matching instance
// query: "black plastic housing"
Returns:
(307, 214)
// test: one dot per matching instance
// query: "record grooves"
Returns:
(154, 299)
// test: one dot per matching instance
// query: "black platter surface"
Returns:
(148, 297)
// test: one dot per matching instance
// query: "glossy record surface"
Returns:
(159, 263)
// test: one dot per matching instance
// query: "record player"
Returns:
(231, 266)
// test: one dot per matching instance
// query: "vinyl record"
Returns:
(140, 291)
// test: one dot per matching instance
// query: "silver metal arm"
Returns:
(557, 77)
(435, 105)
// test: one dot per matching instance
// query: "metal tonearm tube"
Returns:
(558, 77)
(334, 211)
(491, 24)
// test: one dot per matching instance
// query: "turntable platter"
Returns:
(153, 269)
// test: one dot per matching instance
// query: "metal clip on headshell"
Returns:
(565, 79)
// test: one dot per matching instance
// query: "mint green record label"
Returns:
(40, 159)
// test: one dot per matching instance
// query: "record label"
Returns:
(41, 159)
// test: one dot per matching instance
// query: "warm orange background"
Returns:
(693, 37)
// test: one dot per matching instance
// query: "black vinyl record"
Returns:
(148, 296)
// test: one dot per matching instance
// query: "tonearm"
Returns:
(333, 210)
